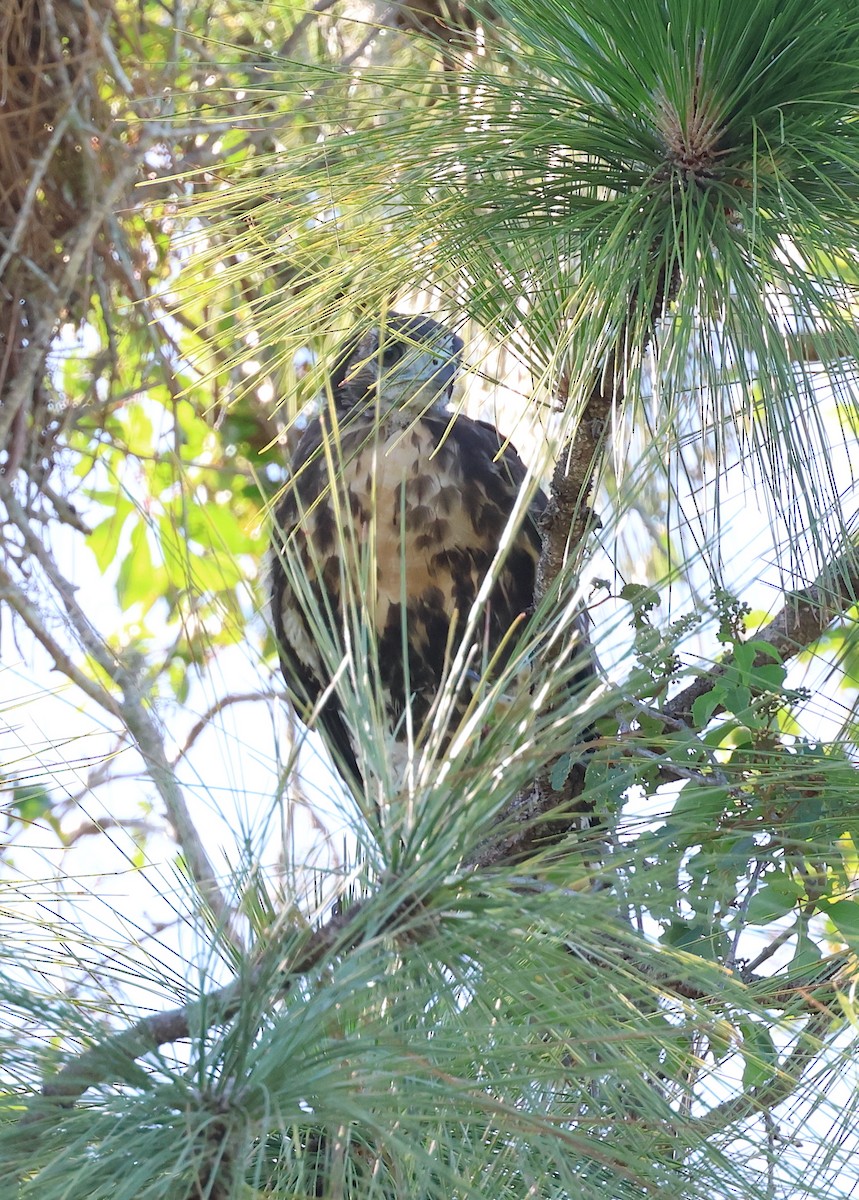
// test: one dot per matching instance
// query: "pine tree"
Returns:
(642, 220)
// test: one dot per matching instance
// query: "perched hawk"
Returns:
(427, 496)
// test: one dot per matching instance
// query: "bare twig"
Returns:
(113, 60)
(33, 360)
(772, 946)
(63, 509)
(218, 707)
(130, 707)
(103, 825)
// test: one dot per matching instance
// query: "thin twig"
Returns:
(772, 946)
(130, 708)
(731, 956)
(33, 360)
(218, 707)
(97, 827)
(64, 510)
(787, 1077)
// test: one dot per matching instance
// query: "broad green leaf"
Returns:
(778, 897)
(30, 802)
(844, 915)
(759, 1054)
(704, 706)
(139, 580)
(104, 538)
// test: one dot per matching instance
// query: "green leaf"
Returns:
(30, 802)
(768, 678)
(759, 1054)
(699, 805)
(735, 737)
(696, 937)
(704, 706)
(807, 953)
(104, 538)
(775, 899)
(736, 700)
(758, 649)
(652, 726)
(138, 430)
(139, 581)
(213, 572)
(744, 656)
(844, 915)
(641, 596)
(560, 771)
(227, 528)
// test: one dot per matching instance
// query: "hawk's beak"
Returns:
(443, 378)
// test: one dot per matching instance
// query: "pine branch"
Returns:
(113, 1058)
(565, 521)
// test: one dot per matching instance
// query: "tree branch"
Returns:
(565, 520)
(564, 523)
(99, 1064)
(112, 1057)
(130, 708)
(803, 618)
(218, 707)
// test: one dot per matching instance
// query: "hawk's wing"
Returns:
(304, 668)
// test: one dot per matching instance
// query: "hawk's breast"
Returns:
(409, 492)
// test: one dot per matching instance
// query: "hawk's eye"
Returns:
(390, 355)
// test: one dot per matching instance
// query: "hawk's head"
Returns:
(407, 361)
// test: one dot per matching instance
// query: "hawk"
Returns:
(427, 495)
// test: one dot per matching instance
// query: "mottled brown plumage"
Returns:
(426, 497)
